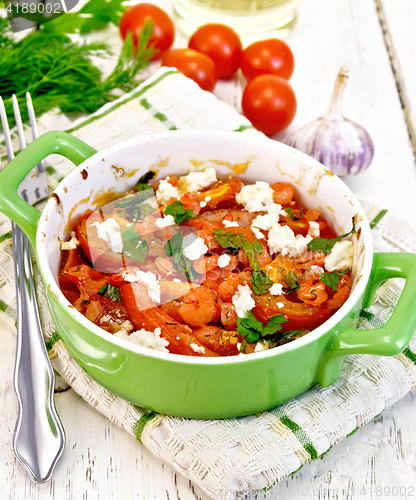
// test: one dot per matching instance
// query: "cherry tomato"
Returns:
(267, 57)
(221, 44)
(135, 18)
(269, 103)
(194, 65)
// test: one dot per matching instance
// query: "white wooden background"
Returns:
(376, 39)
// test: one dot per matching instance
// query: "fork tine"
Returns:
(6, 131)
(19, 123)
(32, 119)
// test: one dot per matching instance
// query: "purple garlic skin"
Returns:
(343, 146)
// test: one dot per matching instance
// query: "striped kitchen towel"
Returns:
(232, 457)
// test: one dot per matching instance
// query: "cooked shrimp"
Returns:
(229, 286)
(190, 201)
(91, 309)
(200, 306)
(341, 295)
(283, 192)
(228, 316)
(312, 292)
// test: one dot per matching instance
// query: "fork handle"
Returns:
(20, 212)
(39, 437)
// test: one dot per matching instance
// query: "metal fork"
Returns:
(38, 437)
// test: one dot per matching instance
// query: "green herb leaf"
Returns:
(252, 248)
(229, 240)
(139, 205)
(178, 211)
(59, 73)
(325, 245)
(274, 324)
(111, 292)
(291, 214)
(292, 281)
(332, 279)
(146, 178)
(252, 329)
(173, 248)
(142, 187)
(133, 246)
(236, 241)
(261, 282)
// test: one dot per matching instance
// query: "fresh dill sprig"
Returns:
(59, 73)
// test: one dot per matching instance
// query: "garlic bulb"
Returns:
(342, 145)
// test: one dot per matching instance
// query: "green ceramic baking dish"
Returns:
(207, 387)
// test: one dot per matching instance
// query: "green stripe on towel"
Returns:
(118, 104)
(157, 114)
(410, 354)
(53, 339)
(377, 219)
(139, 426)
(5, 236)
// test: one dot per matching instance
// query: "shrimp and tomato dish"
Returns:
(202, 266)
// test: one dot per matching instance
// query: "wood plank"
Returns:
(398, 20)
(101, 460)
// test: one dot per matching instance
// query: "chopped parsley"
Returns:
(332, 279)
(144, 179)
(261, 282)
(111, 292)
(179, 212)
(292, 281)
(232, 241)
(289, 211)
(139, 205)
(133, 245)
(174, 248)
(252, 329)
(325, 245)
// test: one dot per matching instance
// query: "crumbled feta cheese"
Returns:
(282, 239)
(198, 348)
(239, 346)
(276, 289)
(275, 210)
(144, 338)
(341, 256)
(228, 223)
(71, 244)
(203, 204)
(207, 198)
(166, 191)
(127, 326)
(243, 301)
(195, 250)
(195, 181)
(167, 220)
(224, 260)
(262, 345)
(255, 197)
(109, 231)
(176, 280)
(314, 229)
(149, 279)
(265, 222)
(279, 305)
(257, 233)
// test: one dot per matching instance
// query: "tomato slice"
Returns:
(144, 314)
(218, 340)
(298, 314)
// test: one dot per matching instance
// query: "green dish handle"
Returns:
(11, 205)
(388, 340)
